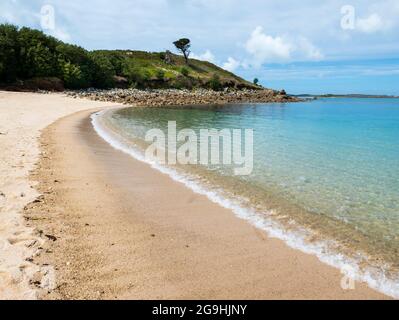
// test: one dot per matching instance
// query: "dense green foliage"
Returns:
(9, 49)
(30, 54)
(185, 72)
(215, 83)
(27, 53)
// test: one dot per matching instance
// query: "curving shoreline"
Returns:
(134, 243)
(92, 227)
(325, 244)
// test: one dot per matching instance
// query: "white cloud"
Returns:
(264, 48)
(372, 24)
(309, 51)
(206, 56)
(231, 64)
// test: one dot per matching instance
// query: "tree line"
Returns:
(27, 53)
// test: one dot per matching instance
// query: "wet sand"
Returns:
(119, 229)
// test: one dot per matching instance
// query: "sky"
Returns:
(306, 46)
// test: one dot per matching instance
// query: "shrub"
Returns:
(160, 74)
(72, 75)
(182, 83)
(184, 71)
(214, 83)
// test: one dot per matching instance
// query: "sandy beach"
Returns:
(89, 222)
(22, 117)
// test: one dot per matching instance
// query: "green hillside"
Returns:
(29, 58)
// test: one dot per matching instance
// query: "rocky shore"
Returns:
(173, 97)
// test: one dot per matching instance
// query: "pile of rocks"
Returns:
(173, 97)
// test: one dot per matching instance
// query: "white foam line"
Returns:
(260, 220)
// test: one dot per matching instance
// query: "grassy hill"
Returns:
(167, 70)
(30, 59)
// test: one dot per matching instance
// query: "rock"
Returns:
(175, 97)
(44, 84)
(51, 237)
(36, 279)
(168, 57)
(121, 82)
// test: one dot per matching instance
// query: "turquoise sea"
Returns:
(328, 169)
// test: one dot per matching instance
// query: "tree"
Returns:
(102, 71)
(256, 81)
(184, 46)
(9, 52)
(76, 74)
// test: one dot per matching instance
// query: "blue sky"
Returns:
(303, 46)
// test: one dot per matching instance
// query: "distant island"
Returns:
(353, 95)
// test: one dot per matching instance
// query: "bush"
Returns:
(184, 71)
(182, 83)
(215, 83)
(136, 74)
(160, 74)
(73, 76)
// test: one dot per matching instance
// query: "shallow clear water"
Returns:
(332, 164)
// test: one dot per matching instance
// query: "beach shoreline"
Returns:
(119, 235)
(86, 221)
(22, 117)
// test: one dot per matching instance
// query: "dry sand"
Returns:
(107, 226)
(126, 231)
(22, 116)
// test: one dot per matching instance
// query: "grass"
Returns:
(149, 65)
